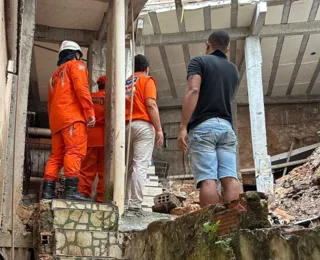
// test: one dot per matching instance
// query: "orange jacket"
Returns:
(69, 99)
(145, 87)
(96, 134)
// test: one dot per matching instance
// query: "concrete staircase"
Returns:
(71, 230)
(151, 189)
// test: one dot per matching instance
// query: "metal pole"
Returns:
(119, 149)
(39, 131)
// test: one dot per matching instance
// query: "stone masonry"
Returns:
(71, 230)
(237, 230)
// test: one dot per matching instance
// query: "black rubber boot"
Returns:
(71, 191)
(48, 190)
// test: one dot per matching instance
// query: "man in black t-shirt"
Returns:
(207, 121)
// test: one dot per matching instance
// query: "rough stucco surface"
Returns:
(185, 239)
(285, 122)
(4, 97)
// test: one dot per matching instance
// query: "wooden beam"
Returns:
(259, 18)
(277, 54)
(303, 46)
(233, 23)
(182, 28)
(163, 53)
(166, 103)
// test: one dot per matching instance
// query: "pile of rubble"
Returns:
(186, 193)
(297, 195)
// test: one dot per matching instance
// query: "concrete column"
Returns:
(97, 55)
(264, 177)
(12, 192)
(109, 117)
(119, 146)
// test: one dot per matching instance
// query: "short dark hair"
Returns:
(140, 63)
(219, 39)
(101, 86)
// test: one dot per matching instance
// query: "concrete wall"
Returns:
(285, 122)
(4, 102)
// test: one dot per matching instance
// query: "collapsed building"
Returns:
(276, 113)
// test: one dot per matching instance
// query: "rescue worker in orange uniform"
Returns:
(70, 111)
(145, 130)
(93, 162)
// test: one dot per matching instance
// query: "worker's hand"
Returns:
(182, 140)
(159, 136)
(91, 121)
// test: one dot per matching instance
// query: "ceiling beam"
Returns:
(107, 16)
(85, 37)
(182, 28)
(157, 31)
(233, 23)
(57, 35)
(259, 18)
(313, 78)
(139, 29)
(138, 5)
(242, 68)
(167, 103)
(277, 54)
(303, 46)
(239, 33)
(207, 18)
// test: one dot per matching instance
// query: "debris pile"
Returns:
(297, 195)
(186, 192)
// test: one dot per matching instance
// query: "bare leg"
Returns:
(231, 189)
(208, 193)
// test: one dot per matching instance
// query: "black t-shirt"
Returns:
(219, 82)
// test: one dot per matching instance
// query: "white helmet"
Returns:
(70, 45)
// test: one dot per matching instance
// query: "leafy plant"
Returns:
(211, 229)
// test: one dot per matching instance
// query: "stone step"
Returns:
(152, 170)
(71, 204)
(152, 183)
(86, 258)
(152, 191)
(88, 243)
(85, 219)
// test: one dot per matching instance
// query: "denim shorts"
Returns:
(213, 150)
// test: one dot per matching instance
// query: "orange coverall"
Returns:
(93, 162)
(69, 107)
